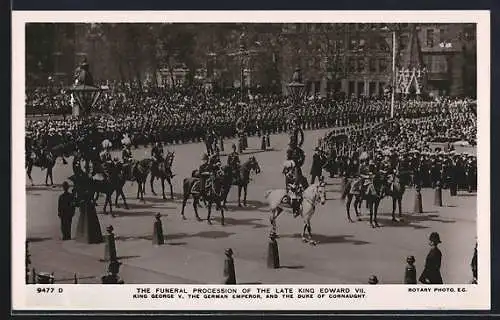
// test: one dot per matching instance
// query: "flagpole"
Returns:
(393, 71)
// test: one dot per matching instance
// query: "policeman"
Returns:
(431, 273)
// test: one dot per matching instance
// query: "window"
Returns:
(382, 65)
(430, 38)
(441, 35)
(361, 65)
(372, 89)
(372, 66)
(351, 87)
(361, 88)
(470, 33)
(350, 64)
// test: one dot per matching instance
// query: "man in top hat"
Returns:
(317, 165)
(431, 273)
(204, 172)
(66, 211)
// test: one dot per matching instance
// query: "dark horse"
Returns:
(163, 171)
(45, 160)
(372, 191)
(214, 193)
(95, 187)
(239, 177)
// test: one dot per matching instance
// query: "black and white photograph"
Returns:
(252, 153)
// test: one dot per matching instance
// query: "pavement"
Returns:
(347, 253)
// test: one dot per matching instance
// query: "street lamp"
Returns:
(85, 93)
(296, 87)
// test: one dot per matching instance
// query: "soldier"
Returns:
(105, 156)
(66, 211)
(204, 172)
(157, 154)
(431, 273)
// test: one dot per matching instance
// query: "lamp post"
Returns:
(296, 87)
(86, 95)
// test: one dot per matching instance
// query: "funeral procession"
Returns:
(251, 153)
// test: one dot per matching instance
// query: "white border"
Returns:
(386, 297)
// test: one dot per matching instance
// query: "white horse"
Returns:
(311, 196)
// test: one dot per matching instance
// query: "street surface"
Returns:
(347, 253)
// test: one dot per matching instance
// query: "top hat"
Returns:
(434, 237)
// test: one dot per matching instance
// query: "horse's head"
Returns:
(254, 164)
(321, 192)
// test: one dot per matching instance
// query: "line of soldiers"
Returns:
(421, 166)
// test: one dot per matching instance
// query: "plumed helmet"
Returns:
(434, 237)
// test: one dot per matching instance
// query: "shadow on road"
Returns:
(55, 188)
(38, 239)
(292, 267)
(242, 222)
(413, 221)
(324, 239)
(213, 234)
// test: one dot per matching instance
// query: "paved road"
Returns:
(194, 251)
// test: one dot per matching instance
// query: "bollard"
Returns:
(263, 143)
(438, 196)
(417, 208)
(44, 278)
(112, 276)
(75, 279)
(27, 263)
(373, 279)
(33, 276)
(158, 238)
(109, 245)
(273, 257)
(229, 272)
(410, 271)
(268, 140)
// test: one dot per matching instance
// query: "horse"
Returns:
(63, 150)
(163, 171)
(140, 172)
(240, 178)
(44, 161)
(373, 191)
(95, 187)
(214, 194)
(113, 181)
(395, 190)
(353, 188)
(311, 196)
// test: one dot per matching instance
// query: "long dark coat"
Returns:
(431, 273)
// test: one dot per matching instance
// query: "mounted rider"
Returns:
(105, 158)
(204, 172)
(157, 154)
(127, 159)
(233, 161)
(293, 186)
(296, 154)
